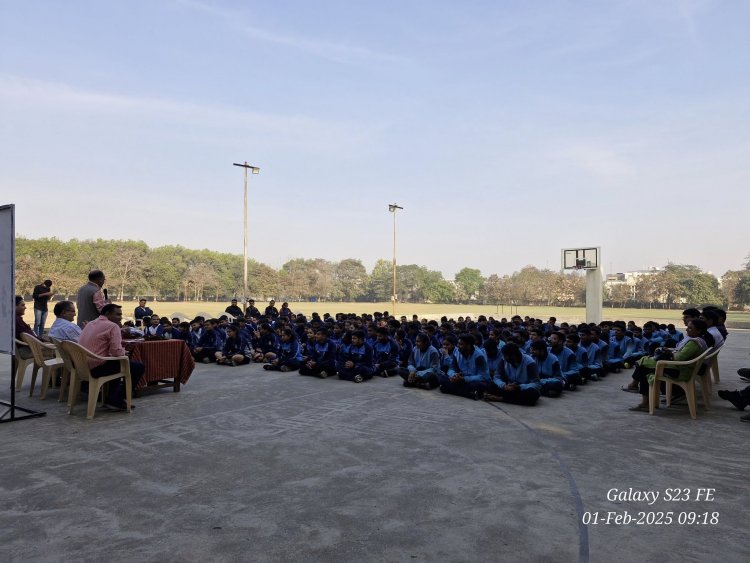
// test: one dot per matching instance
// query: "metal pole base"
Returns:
(10, 414)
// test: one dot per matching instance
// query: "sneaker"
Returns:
(206, 361)
(593, 377)
(744, 373)
(267, 367)
(745, 418)
(358, 379)
(476, 395)
(284, 369)
(323, 374)
(735, 398)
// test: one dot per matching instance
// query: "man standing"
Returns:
(141, 311)
(91, 298)
(103, 337)
(64, 328)
(42, 294)
(252, 312)
(233, 309)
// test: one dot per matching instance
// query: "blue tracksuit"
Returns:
(617, 351)
(361, 356)
(473, 368)
(385, 356)
(290, 354)
(425, 365)
(238, 345)
(569, 366)
(324, 356)
(550, 375)
(524, 375)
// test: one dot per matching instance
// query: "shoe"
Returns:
(745, 379)
(284, 369)
(593, 377)
(735, 398)
(569, 386)
(745, 418)
(358, 379)
(323, 374)
(639, 408)
(267, 367)
(554, 393)
(206, 361)
(476, 395)
(744, 373)
(628, 389)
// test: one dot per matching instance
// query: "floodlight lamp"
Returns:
(255, 169)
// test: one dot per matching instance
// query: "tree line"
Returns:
(174, 273)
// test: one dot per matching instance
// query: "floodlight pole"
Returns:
(255, 170)
(392, 207)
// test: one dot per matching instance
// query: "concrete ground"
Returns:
(247, 465)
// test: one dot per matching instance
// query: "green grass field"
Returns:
(430, 311)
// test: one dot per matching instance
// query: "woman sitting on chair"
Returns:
(698, 340)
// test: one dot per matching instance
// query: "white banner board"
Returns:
(7, 278)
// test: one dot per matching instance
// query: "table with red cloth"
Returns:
(164, 360)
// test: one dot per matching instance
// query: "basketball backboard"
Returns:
(580, 258)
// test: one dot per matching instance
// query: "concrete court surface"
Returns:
(247, 465)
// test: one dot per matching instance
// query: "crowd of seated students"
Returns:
(515, 361)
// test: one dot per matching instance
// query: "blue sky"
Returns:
(507, 130)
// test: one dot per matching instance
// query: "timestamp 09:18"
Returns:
(650, 518)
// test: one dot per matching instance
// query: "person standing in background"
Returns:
(42, 294)
(91, 298)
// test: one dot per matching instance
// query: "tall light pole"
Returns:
(392, 207)
(255, 170)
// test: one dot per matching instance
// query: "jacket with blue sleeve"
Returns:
(324, 353)
(473, 367)
(568, 361)
(424, 363)
(524, 374)
(290, 350)
(549, 367)
(359, 355)
(385, 351)
(209, 340)
(618, 348)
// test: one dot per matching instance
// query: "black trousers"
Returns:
(116, 393)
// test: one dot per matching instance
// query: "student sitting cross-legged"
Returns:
(236, 350)
(385, 351)
(266, 344)
(569, 366)
(321, 356)
(423, 366)
(469, 375)
(208, 343)
(355, 360)
(548, 370)
(289, 355)
(517, 381)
